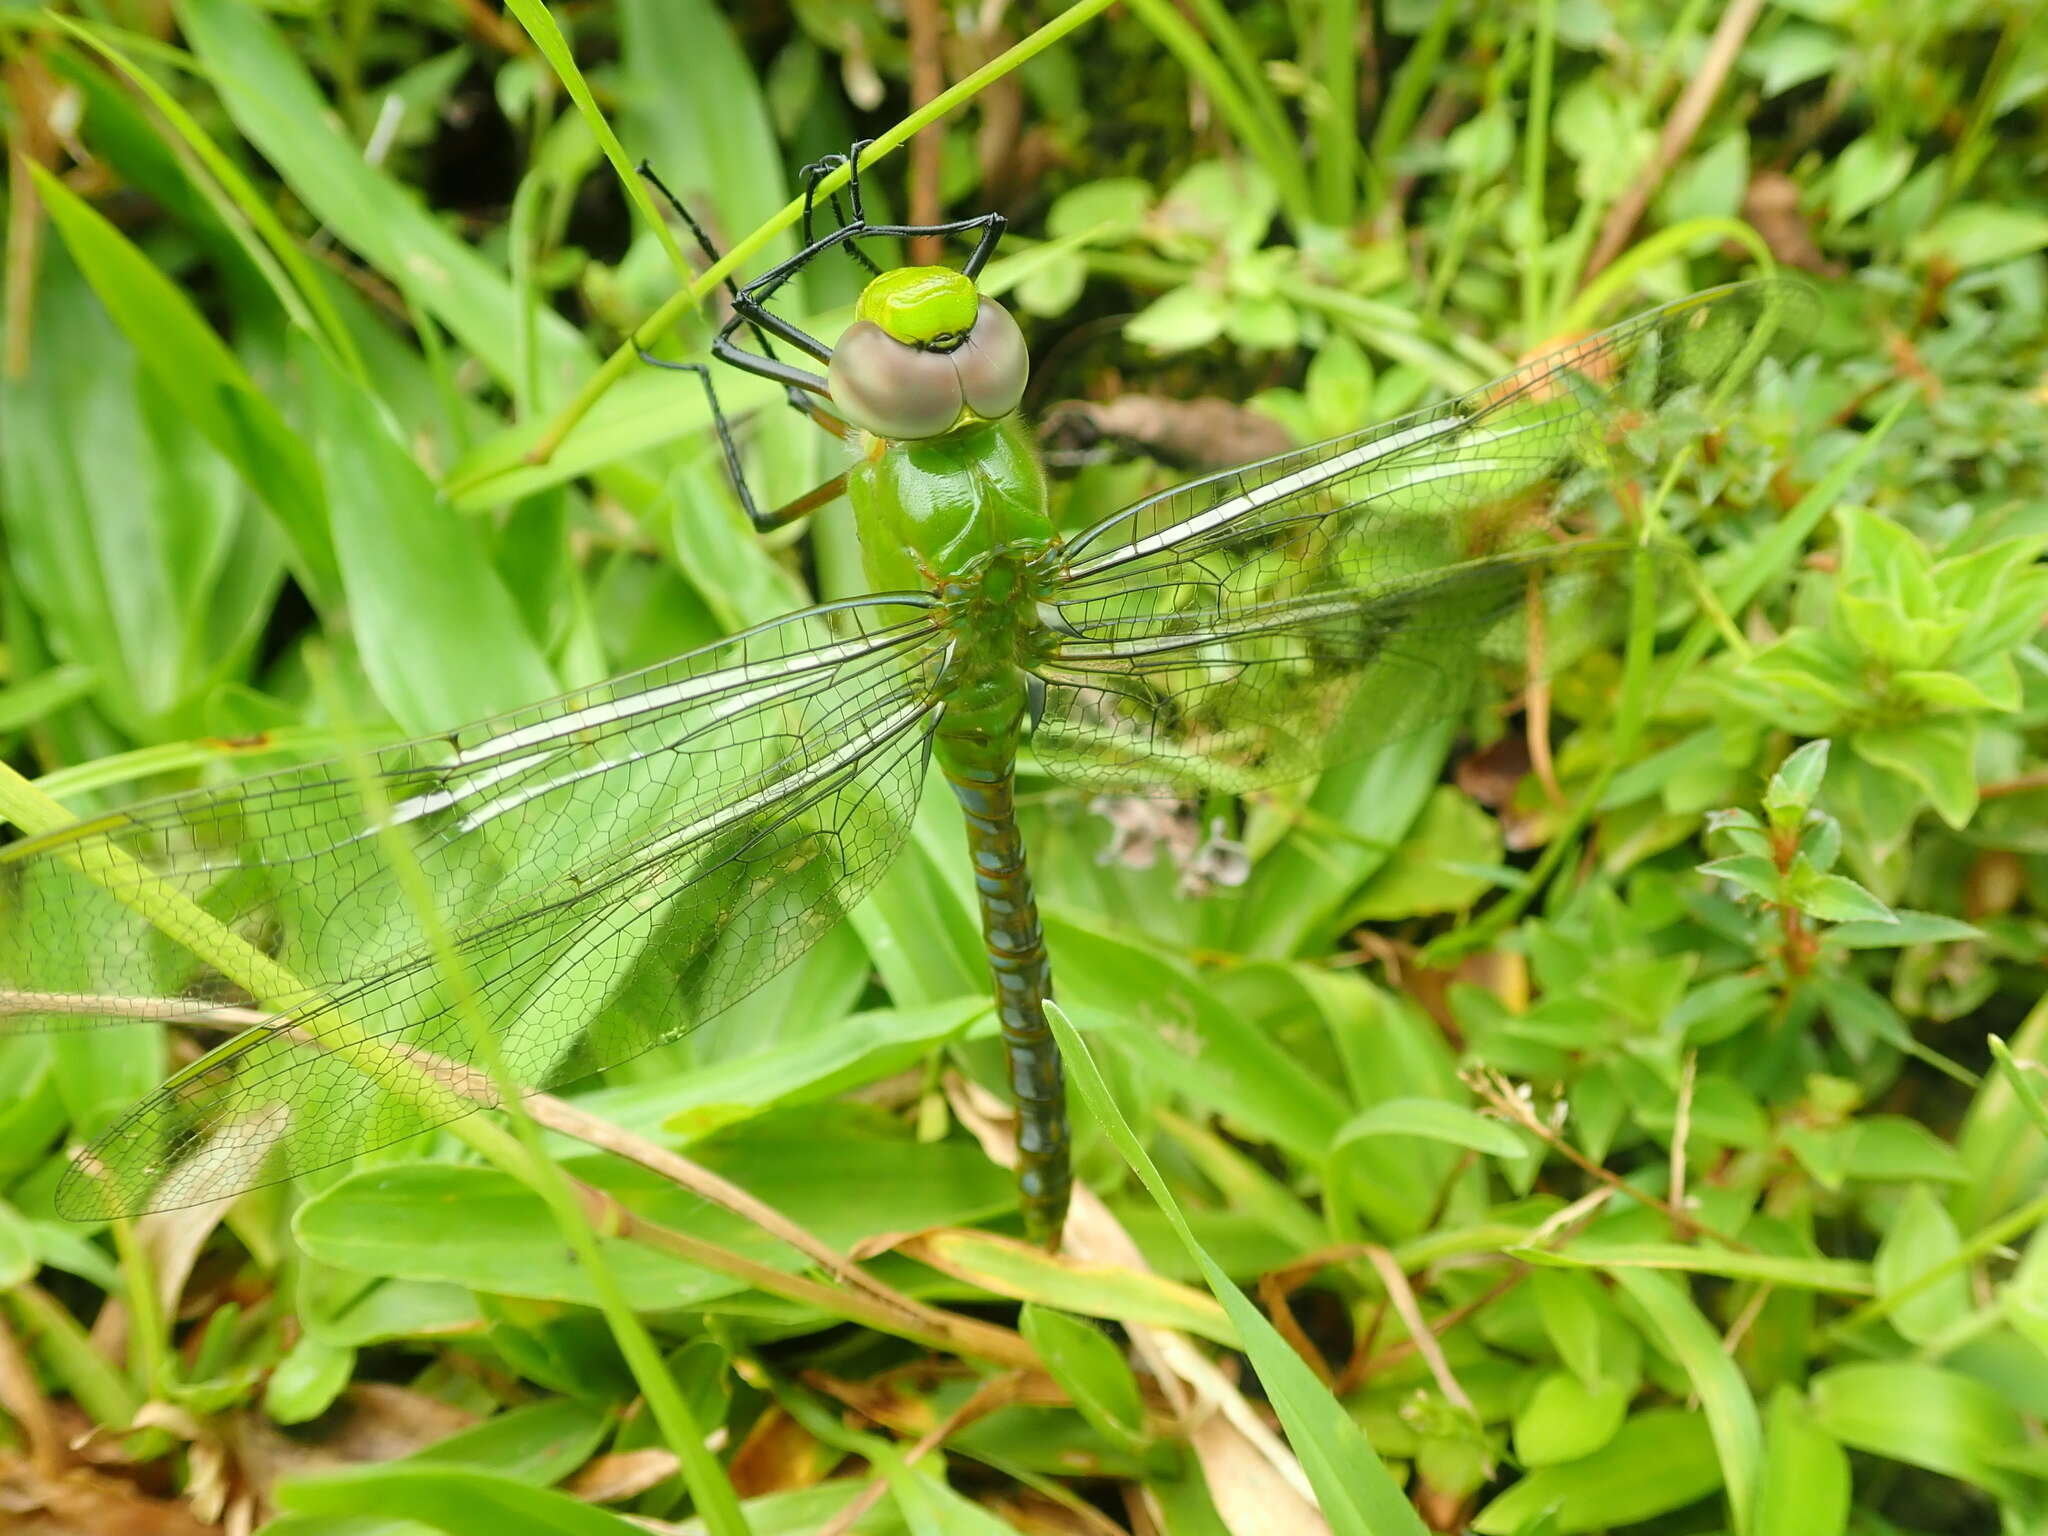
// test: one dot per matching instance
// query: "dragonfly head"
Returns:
(927, 354)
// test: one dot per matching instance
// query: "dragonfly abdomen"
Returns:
(977, 750)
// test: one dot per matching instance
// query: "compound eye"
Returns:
(993, 362)
(890, 389)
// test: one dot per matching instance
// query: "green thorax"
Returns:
(934, 512)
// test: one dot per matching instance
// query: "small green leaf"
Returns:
(307, 1381)
(1565, 1419)
(1180, 319)
(1838, 899)
(1752, 872)
(1869, 168)
(1797, 781)
(1432, 1120)
(1921, 1236)
(1981, 235)
(1092, 1370)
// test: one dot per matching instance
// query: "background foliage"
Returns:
(1610, 1133)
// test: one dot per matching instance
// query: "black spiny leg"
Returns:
(750, 309)
(797, 398)
(750, 303)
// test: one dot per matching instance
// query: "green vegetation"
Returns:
(1618, 1109)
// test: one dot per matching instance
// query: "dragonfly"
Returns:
(617, 865)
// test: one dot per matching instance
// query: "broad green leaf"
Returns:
(1296, 890)
(1893, 1148)
(19, 1259)
(1571, 1306)
(1434, 868)
(1867, 170)
(441, 638)
(1905, 928)
(1924, 1416)
(197, 371)
(930, 1506)
(1212, 1053)
(1843, 1277)
(857, 1048)
(393, 1220)
(1657, 1462)
(539, 1442)
(1937, 754)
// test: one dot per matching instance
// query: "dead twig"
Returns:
(1679, 129)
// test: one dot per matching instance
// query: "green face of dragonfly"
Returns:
(927, 354)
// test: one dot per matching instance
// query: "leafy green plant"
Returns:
(1589, 1128)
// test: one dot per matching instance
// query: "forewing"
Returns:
(613, 868)
(1256, 626)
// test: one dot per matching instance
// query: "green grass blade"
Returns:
(270, 94)
(1724, 1396)
(1357, 1495)
(298, 286)
(540, 26)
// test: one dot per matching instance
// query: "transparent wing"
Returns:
(1258, 625)
(614, 867)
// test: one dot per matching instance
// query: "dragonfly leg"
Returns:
(750, 303)
(799, 399)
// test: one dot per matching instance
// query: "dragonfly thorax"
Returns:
(936, 512)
